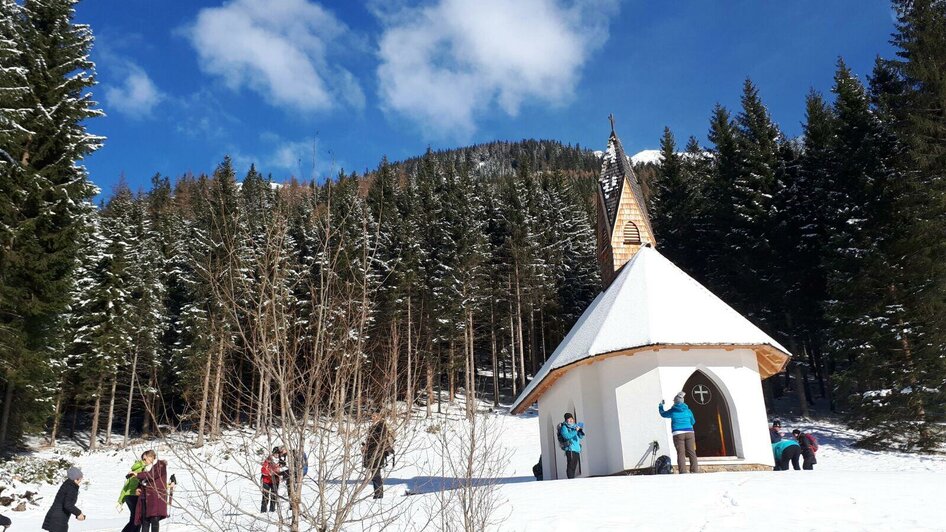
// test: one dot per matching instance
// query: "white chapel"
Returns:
(652, 332)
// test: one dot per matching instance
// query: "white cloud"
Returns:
(278, 48)
(444, 64)
(136, 96)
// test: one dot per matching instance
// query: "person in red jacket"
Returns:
(269, 479)
(155, 493)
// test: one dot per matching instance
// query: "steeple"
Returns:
(623, 221)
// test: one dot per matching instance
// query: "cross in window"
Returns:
(701, 394)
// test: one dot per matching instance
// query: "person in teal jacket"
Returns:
(572, 433)
(786, 451)
(681, 427)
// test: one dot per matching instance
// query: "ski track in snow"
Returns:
(850, 490)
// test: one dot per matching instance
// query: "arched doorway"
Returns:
(713, 428)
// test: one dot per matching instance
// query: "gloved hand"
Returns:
(662, 402)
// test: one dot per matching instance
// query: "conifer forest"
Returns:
(216, 300)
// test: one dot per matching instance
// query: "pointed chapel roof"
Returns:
(615, 168)
(652, 303)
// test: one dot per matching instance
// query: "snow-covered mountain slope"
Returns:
(850, 489)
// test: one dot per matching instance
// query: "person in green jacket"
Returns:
(129, 496)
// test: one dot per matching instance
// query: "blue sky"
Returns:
(304, 88)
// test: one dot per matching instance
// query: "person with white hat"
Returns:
(681, 427)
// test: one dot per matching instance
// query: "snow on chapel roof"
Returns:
(652, 303)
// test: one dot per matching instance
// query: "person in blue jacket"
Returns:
(681, 426)
(572, 433)
(786, 451)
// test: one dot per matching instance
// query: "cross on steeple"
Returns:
(611, 119)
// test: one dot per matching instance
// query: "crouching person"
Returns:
(681, 426)
(786, 451)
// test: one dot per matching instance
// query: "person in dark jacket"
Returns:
(155, 493)
(5, 522)
(786, 451)
(270, 473)
(375, 451)
(775, 431)
(807, 450)
(572, 433)
(64, 505)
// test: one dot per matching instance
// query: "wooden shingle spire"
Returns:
(623, 222)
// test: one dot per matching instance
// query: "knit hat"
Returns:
(776, 423)
(568, 416)
(796, 432)
(677, 399)
(74, 473)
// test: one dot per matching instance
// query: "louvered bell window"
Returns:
(632, 235)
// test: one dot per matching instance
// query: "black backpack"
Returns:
(663, 466)
(562, 442)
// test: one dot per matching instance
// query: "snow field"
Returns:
(850, 490)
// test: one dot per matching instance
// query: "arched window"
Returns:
(713, 428)
(632, 235)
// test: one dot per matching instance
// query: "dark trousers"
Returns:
(131, 501)
(150, 524)
(686, 448)
(809, 461)
(571, 463)
(270, 496)
(5, 521)
(790, 454)
(377, 483)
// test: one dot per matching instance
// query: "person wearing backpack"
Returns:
(570, 435)
(681, 427)
(809, 446)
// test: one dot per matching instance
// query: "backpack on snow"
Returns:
(812, 442)
(562, 442)
(663, 466)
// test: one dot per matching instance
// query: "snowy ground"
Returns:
(851, 489)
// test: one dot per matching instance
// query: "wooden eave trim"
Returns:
(771, 361)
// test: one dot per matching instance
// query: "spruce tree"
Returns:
(50, 191)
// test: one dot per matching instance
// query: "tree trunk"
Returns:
(492, 332)
(94, 433)
(5, 419)
(800, 389)
(218, 394)
(430, 386)
(470, 366)
(131, 396)
(205, 397)
(111, 409)
(522, 353)
(512, 350)
(57, 414)
(409, 392)
(452, 372)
